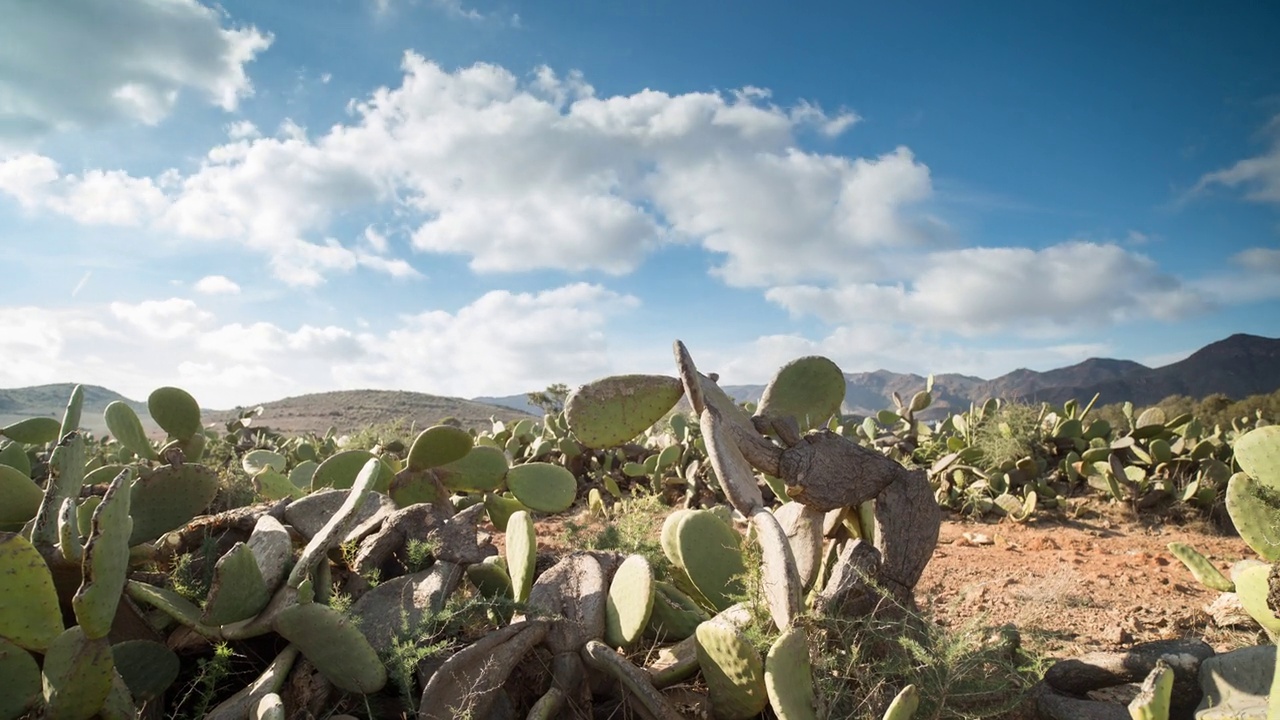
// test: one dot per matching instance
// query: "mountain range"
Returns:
(1238, 366)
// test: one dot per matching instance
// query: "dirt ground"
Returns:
(1079, 585)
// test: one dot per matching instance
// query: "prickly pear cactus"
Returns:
(29, 613)
(732, 670)
(175, 411)
(439, 445)
(788, 676)
(809, 389)
(629, 602)
(544, 487)
(609, 412)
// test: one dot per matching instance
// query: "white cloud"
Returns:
(501, 343)
(217, 285)
(243, 130)
(83, 63)
(1256, 278)
(1260, 174)
(1029, 292)
(95, 198)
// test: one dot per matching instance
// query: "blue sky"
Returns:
(252, 200)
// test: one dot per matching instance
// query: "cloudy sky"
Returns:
(464, 197)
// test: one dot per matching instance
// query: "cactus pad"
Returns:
(77, 675)
(148, 668)
(13, 455)
(439, 445)
(675, 616)
(809, 389)
(255, 461)
(610, 411)
(788, 676)
(629, 602)
(19, 680)
(168, 498)
(522, 553)
(491, 578)
(1255, 510)
(175, 411)
(1258, 453)
(238, 591)
(332, 643)
(29, 613)
(106, 561)
(732, 670)
(339, 471)
(543, 486)
(124, 425)
(1201, 568)
(499, 508)
(904, 705)
(32, 431)
(480, 470)
(711, 553)
(19, 496)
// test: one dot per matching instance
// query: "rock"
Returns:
(1078, 676)
(1235, 684)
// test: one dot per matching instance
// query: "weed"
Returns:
(1009, 435)
(210, 674)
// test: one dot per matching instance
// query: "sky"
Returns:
(259, 199)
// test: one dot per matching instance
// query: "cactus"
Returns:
(19, 497)
(175, 411)
(809, 389)
(543, 486)
(270, 707)
(480, 470)
(522, 553)
(1201, 568)
(1252, 588)
(491, 578)
(257, 461)
(439, 445)
(629, 602)
(238, 591)
(168, 498)
(339, 471)
(29, 613)
(788, 676)
(148, 668)
(710, 553)
(32, 431)
(904, 704)
(732, 670)
(13, 455)
(338, 525)
(675, 615)
(1152, 701)
(499, 508)
(1254, 507)
(76, 676)
(613, 410)
(19, 680)
(106, 561)
(270, 484)
(124, 424)
(334, 645)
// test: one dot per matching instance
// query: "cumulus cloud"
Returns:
(85, 62)
(96, 197)
(501, 343)
(1260, 175)
(521, 174)
(217, 285)
(1029, 292)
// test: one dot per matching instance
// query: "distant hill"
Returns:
(51, 401)
(349, 410)
(515, 402)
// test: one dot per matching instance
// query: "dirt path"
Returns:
(1075, 586)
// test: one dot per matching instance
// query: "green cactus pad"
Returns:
(610, 411)
(271, 485)
(119, 704)
(481, 470)
(148, 668)
(522, 553)
(788, 676)
(1255, 510)
(13, 455)
(77, 676)
(780, 579)
(1252, 588)
(255, 461)
(302, 473)
(669, 538)
(339, 524)
(19, 496)
(809, 389)
(543, 486)
(104, 475)
(29, 613)
(175, 411)
(491, 578)
(168, 498)
(1201, 568)
(33, 431)
(19, 680)
(733, 672)
(165, 600)
(238, 591)
(439, 445)
(332, 643)
(106, 561)
(711, 553)
(1152, 700)
(500, 508)
(904, 705)
(1258, 454)
(339, 471)
(629, 602)
(124, 425)
(411, 487)
(675, 615)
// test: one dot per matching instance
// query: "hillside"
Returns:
(349, 410)
(51, 400)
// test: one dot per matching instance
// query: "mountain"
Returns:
(51, 401)
(515, 402)
(350, 410)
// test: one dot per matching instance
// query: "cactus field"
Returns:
(626, 557)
